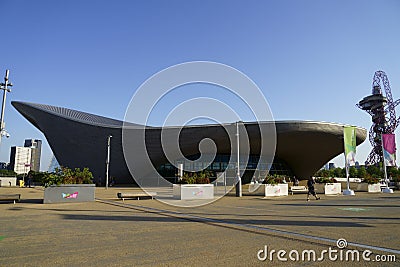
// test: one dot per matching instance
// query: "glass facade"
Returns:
(221, 164)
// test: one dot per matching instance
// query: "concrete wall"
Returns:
(8, 181)
(69, 193)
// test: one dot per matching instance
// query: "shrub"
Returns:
(202, 180)
(7, 173)
(374, 171)
(396, 179)
(202, 177)
(371, 180)
(275, 179)
(51, 178)
(270, 180)
(187, 178)
(37, 177)
(325, 180)
(64, 175)
(323, 173)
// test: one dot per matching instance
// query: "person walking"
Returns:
(311, 189)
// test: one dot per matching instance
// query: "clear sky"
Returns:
(313, 60)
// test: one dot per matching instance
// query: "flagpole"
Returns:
(347, 172)
(384, 161)
(347, 191)
(386, 189)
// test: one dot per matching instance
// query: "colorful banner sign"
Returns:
(389, 149)
(349, 133)
(73, 195)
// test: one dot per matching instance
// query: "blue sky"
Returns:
(313, 60)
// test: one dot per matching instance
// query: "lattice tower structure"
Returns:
(383, 114)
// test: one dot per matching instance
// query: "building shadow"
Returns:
(337, 205)
(166, 219)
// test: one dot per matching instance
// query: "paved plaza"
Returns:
(229, 232)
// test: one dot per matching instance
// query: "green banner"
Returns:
(350, 145)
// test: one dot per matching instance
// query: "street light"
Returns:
(25, 171)
(239, 179)
(108, 159)
(26, 165)
(4, 86)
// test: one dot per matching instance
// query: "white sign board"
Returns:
(333, 189)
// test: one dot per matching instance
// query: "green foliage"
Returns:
(368, 172)
(64, 175)
(396, 179)
(323, 173)
(187, 178)
(37, 177)
(325, 180)
(270, 180)
(51, 179)
(353, 172)
(361, 172)
(202, 177)
(374, 171)
(394, 173)
(336, 172)
(339, 172)
(371, 180)
(7, 173)
(275, 179)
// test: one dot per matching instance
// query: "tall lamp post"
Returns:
(4, 86)
(239, 179)
(108, 159)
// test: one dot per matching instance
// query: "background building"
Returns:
(36, 151)
(20, 159)
(4, 165)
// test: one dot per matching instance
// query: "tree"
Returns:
(64, 175)
(339, 172)
(323, 173)
(374, 171)
(362, 172)
(393, 172)
(353, 172)
(8, 173)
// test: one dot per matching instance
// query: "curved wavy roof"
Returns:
(78, 139)
(79, 116)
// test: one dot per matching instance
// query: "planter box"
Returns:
(360, 187)
(256, 190)
(269, 190)
(319, 188)
(328, 189)
(356, 186)
(374, 188)
(193, 191)
(8, 181)
(69, 193)
(333, 189)
(276, 190)
(371, 188)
